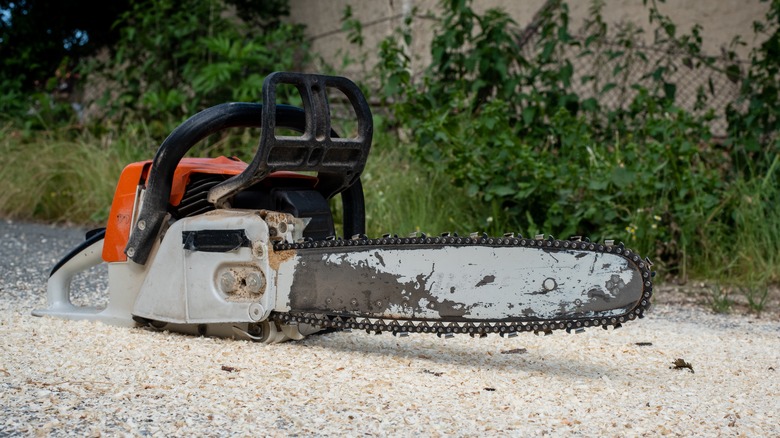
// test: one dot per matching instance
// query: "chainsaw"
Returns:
(220, 247)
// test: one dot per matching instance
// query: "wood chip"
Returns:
(514, 351)
(680, 364)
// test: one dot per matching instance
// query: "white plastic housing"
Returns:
(186, 287)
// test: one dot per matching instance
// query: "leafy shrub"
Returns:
(176, 58)
(12, 99)
(503, 120)
(755, 116)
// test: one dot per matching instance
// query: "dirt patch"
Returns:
(705, 294)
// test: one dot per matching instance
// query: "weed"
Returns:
(757, 296)
(744, 231)
(720, 299)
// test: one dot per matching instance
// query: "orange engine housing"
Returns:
(134, 177)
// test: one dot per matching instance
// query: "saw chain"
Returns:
(403, 327)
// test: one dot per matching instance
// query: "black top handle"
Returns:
(339, 161)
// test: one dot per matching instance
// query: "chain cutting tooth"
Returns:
(453, 327)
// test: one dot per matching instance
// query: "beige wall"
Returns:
(721, 20)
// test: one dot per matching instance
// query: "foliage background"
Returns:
(508, 125)
(496, 134)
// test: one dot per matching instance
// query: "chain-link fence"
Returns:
(614, 69)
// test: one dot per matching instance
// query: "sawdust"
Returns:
(243, 291)
(65, 376)
(276, 258)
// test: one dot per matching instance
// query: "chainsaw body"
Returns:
(226, 248)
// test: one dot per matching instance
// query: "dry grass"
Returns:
(62, 176)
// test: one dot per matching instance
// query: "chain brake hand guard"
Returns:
(337, 161)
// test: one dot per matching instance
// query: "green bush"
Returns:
(755, 116)
(504, 122)
(12, 99)
(174, 59)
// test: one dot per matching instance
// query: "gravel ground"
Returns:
(82, 378)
